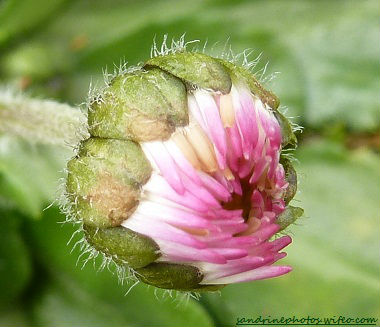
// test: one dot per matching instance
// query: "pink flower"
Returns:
(182, 178)
(216, 190)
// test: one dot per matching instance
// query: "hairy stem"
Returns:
(40, 121)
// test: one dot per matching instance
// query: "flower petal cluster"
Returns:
(182, 178)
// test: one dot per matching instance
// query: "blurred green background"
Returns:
(328, 55)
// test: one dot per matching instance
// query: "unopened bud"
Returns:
(182, 178)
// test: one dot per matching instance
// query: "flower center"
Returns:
(241, 201)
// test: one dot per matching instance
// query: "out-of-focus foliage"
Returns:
(327, 51)
(21, 17)
(328, 55)
(29, 175)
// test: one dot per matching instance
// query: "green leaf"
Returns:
(35, 61)
(340, 193)
(78, 290)
(29, 174)
(14, 317)
(20, 16)
(339, 60)
(327, 51)
(15, 265)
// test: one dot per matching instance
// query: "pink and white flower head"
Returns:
(182, 178)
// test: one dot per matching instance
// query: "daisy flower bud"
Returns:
(182, 179)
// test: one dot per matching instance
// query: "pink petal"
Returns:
(215, 187)
(177, 252)
(210, 114)
(255, 274)
(181, 161)
(159, 186)
(166, 164)
(161, 231)
(173, 215)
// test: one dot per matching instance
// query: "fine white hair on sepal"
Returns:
(175, 296)
(296, 128)
(66, 206)
(247, 58)
(121, 68)
(89, 254)
(244, 58)
(96, 90)
(176, 45)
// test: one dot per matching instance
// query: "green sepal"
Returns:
(289, 216)
(240, 74)
(144, 105)
(123, 245)
(104, 179)
(127, 155)
(170, 276)
(291, 178)
(195, 69)
(287, 135)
